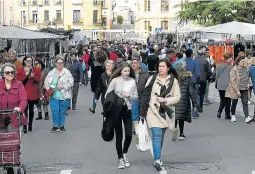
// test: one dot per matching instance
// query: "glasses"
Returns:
(9, 72)
(61, 63)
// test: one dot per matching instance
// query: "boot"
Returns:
(30, 127)
(39, 116)
(25, 129)
(46, 116)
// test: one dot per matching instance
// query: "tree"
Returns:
(120, 20)
(208, 13)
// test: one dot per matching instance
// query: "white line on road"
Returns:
(66, 172)
(163, 171)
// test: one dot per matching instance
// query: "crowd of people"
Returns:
(134, 81)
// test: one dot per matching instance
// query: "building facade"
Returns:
(107, 14)
(124, 8)
(62, 14)
(156, 15)
(6, 12)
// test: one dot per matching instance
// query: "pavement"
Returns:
(212, 146)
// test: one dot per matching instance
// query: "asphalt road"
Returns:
(212, 146)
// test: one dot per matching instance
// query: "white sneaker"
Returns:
(127, 163)
(248, 119)
(249, 102)
(158, 164)
(121, 164)
(233, 118)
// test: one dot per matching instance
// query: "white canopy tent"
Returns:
(232, 28)
(12, 32)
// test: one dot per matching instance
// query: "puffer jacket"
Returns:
(183, 107)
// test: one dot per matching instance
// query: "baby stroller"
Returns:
(10, 148)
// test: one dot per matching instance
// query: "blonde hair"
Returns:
(252, 61)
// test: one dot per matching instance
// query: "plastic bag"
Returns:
(83, 66)
(143, 140)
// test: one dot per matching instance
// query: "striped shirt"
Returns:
(244, 78)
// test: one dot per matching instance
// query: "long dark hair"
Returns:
(121, 66)
(169, 65)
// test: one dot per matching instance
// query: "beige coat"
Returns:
(153, 117)
(234, 84)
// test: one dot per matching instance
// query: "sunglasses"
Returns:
(29, 61)
(60, 63)
(9, 72)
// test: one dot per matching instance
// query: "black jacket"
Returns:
(183, 108)
(102, 87)
(112, 107)
(96, 71)
(152, 61)
(141, 81)
(75, 69)
(205, 69)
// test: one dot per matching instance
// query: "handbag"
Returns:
(49, 93)
(83, 66)
(220, 76)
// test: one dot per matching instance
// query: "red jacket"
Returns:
(113, 56)
(16, 97)
(85, 58)
(32, 84)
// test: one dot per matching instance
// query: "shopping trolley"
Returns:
(11, 146)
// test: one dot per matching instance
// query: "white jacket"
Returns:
(66, 80)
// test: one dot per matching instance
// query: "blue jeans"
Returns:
(135, 111)
(157, 141)
(94, 103)
(58, 109)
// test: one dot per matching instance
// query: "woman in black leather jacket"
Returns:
(103, 84)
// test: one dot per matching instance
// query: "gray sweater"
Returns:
(120, 84)
(223, 76)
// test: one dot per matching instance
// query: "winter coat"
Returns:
(222, 76)
(183, 107)
(30, 83)
(102, 87)
(16, 97)
(85, 58)
(234, 84)
(205, 69)
(96, 71)
(149, 107)
(152, 61)
(75, 69)
(141, 81)
(65, 80)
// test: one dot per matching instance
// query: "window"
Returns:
(76, 16)
(34, 2)
(164, 5)
(147, 5)
(46, 2)
(146, 25)
(96, 2)
(46, 15)
(58, 15)
(24, 19)
(34, 16)
(95, 16)
(58, 2)
(23, 2)
(164, 25)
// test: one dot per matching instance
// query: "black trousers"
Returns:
(126, 117)
(181, 125)
(75, 93)
(202, 93)
(225, 102)
(244, 99)
(30, 111)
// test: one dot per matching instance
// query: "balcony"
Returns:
(77, 2)
(58, 2)
(78, 22)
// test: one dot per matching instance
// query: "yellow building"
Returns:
(64, 14)
(153, 14)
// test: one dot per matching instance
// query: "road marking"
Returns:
(163, 171)
(253, 172)
(66, 172)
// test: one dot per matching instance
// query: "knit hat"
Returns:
(181, 66)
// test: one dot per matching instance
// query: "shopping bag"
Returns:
(143, 140)
(83, 66)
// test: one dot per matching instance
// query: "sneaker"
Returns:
(91, 110)
(62, 129)
(175, 134)
(233, 118)
(127, 164)
(182, 137)
(218, 115)
(249, 102)
(121, 164)
(54, 129)
(158, 165)
(248, 119)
